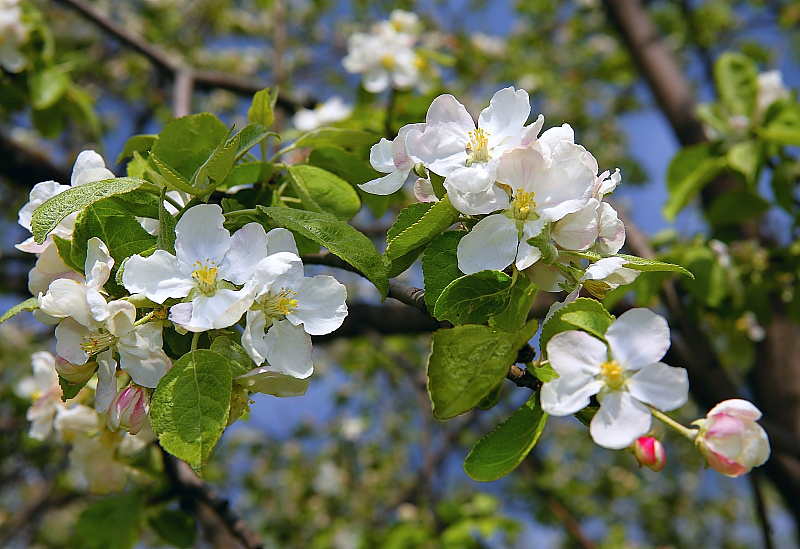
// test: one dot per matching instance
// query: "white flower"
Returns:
(45, 392)
(770, 89)
(332, 110)
(208, 262)
(13, 34)
(605, 275)
(467, 156)
(542, 193)
(288, 308)
(93, 459)
(626, 376)
(731, 440)
(392, 158)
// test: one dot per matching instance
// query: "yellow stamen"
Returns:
(478, 147)
(206, 276)
(523, 202)
(387, 61)
(280, 304)
(613, 374)
(94, 343)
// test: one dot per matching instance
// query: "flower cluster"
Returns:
(542, 193)
(13, 34)
(387, 57)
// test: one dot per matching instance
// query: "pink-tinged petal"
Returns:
(737, 407)
(106, 381)
(505, 116)
(620, 420)
(69, 337)
(158, 277)
(477, 203)
(380, 156)
(248, 247)
(576, 354)
(200, 236)
(650, 452)
(562, 189)
(423, 191)
(577, 230)
(253, 336)
(289, 349)
(402, 158)
(89, 167)
(604, 268)
(637, 338)
(385, 185)
(267, 381)
(321, 306)
(492, 244)
(181, 314)
(527, 255)
(565, 396)
(519, 167)
(281, 240)
(438, 149)
(529, 134)
(663, 387)
(611, 235)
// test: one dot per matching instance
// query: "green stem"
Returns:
(685, 431)
(145, 319)
(195, 339)
(232, 215)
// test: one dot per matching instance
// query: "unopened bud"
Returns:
(650, 452)
(74, 373)
(129, 409)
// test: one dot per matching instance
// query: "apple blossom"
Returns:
(770, 88)
(393, 159)
(129, 409)
(650, 452)
(45, 392)
(13, 34)
(624, 373)
(208, 262)
(731, 440)
(332, 110)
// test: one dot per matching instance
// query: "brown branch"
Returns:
(182, 91)
(201, 499)
(23, 167)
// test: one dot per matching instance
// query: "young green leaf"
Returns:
(735, 76)
(48, 215)
(688, 173)
(501, 451)
(438, 218)
(408, 216)
(110, 522)
(473, 299)
(137, 143)
(468, 362)
(557, 323)
(440, 265)
(352, 169)
(30, 304)
(186, 143)
(262, 109)
(340, 238)
(523, 293)
(189, 408)
(322, 191)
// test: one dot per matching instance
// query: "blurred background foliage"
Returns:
(359, 461)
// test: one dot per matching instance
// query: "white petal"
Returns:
(248, 247)
(380, 156)
(577, 230)
(519, 168)
(141, 355)
(98, 263)
(554, 136)
(736, 407)
(620, 420)
(603, 268)
(289, 349)
(376, 80)
(402, 158)
(611, 234)
(106, 381)
(527, 255)
(565, 396)
(386, 184)
(576, 354)
(423, 191)
(484, 202)
(121, 316)
(321, 306)
(69, 337)
(221, 310)
(281, 240)
(492, 244)
(506, 114)
(545, 277)
(448, 114)
(661, 386)
(637, 338)
(438, 149)
(89, 167)
(200, 236)
(159, 276)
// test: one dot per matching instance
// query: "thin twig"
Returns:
(761, 509)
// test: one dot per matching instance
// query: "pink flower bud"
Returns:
(74, 373)
(650, 452)
(731, 440)
(129, 409)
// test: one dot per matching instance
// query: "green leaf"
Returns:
(468, 362)
(30, 304)
(340, 238)
(217, 168)
(248, 172)
(189, 408)
(408, 216)
(336, 137)
(186, 143)
(556, 324)
(440, 265)
(544, 372)
(501, 451)
(593, 322)
(138, 143)
(166, 227)
(735, 76)
(174, 526)
(352, 169)
(473, 298)
(262, 109)
(238, 359)
(48, 86)
(112, 522)
(688, 173)
(638, 263)
(70, 389)
(735, 207)
(434, 222)
(491, 400)
(49, 122)
(47, 216)
(745, 158)
(64, 249)
(784, 127)
(168, 176)
(523, 293)
(250, 136)
(322, 191)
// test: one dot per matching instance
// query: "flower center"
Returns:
(206, 276)
(280, 304)
(478, 147)
(613, 374)
(387, 60)
(523, 202)
(94, 343)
